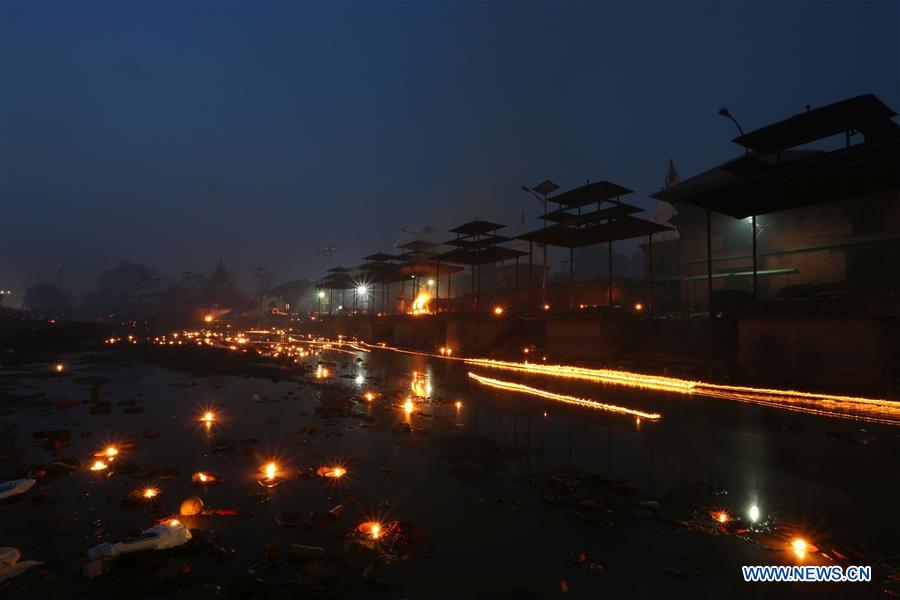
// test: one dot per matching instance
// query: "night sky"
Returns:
(176, 134)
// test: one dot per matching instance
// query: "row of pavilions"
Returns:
(771, 176)
(589, 215)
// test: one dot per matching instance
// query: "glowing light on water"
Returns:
(408, 406)
(753, 513)
(844, 407)
(799, 546)
(518, 387)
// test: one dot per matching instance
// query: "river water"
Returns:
(461, 465)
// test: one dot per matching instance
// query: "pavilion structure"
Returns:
(477, 243)
(337, 278)
(773, 175)
(590, 215)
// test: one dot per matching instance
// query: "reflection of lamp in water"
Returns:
(754, 513)
(408, 406)
(799, 546)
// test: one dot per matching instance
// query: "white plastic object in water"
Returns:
(15, 487)
(159, 537)
(10, 565)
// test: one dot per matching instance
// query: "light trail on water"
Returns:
(518, 387)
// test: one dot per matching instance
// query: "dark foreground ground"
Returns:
(500, 496)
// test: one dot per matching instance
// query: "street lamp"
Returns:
(727, 114)
(363, 291)
(540, 192)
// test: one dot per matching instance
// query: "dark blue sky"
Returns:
(177, 133)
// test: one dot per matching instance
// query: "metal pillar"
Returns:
(609, 278)
(530, 276)
(753, 233)
(571, 277)
(650, 272)
(709, 273)
(517, 284)
(474, 300)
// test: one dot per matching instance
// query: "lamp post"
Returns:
(540, 192)
(725, 113)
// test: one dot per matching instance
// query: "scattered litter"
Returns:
(166, 535)
(52, 439)
(191, 506)
(15, 487)
(10, 565)
(323, 578)
(302, 552)
(589, 563)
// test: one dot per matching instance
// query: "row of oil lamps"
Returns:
(270, 471)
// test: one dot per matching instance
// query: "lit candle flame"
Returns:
(109, 452)
(376, 531)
